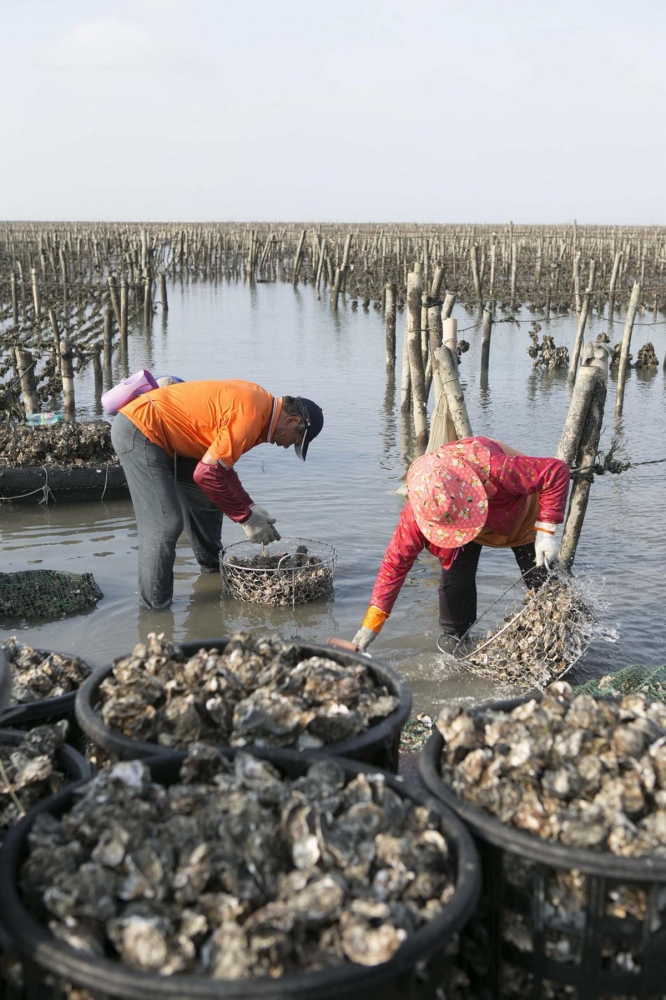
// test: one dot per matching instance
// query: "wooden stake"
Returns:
(389, 317)
(485, 339)
(626, 343)
(414, 292)
(26, 371)
(163, 292)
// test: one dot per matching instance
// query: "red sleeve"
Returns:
(225, 489)
(522, 475)
(405, 545)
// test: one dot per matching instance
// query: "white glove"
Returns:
(262, 510)
(259, 528)
(364, 637)
(546, 546)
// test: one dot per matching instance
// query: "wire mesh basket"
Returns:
(289, 572)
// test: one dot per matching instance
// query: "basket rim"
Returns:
(33, 939)
(486, 826)
(88, 714)
(332, 555)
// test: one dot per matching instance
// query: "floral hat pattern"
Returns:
(447, 494)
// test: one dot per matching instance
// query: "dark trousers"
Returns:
(165, 500)
(457, 588)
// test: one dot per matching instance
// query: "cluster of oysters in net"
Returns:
(66, 443)
(581, 771)
(39, 674)
(277, 579)
(30, 771)
(236, 871)
(260, 690)
(540, 642)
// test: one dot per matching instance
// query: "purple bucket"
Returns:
(128, 389)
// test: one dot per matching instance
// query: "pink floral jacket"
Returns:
(512, 479)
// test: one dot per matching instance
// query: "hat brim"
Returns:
(463, 524)
(302, 448)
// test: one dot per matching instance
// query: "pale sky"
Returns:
(333, 110)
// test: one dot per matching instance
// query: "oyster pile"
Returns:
(278, 579)
(30, 772)
(39, 674)
(260, 690)
(236, 872)
(578, 770)
(539, 643)
(66, 443)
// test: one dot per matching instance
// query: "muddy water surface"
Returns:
(345, 493)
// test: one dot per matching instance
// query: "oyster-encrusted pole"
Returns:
(585, 429)
(416, 368)
(626, 343)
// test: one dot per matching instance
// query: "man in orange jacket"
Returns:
(178, 446)
(463, 496)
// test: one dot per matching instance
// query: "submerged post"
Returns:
(626, 343)
(389, 317)
(26, 371)
(416, 369)
(485, 339)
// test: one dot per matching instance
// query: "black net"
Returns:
(46, 593)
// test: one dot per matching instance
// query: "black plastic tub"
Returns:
(594, 939)
(414, 973)
(378, 745)
(62, 484)
(31, 713)
(72, 764)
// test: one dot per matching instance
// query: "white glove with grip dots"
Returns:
(259, 529)
(546, 545)
(364, 637)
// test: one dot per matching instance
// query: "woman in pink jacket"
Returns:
(460, 497)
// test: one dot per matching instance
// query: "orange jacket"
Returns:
(191, 418)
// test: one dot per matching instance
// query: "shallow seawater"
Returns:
(289, 342)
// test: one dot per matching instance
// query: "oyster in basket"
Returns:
(259, 690)
(235, 871)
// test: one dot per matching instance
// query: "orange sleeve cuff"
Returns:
(375, 618)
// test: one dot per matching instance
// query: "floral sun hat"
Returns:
(447, 494)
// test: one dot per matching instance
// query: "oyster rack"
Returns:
(289, 572)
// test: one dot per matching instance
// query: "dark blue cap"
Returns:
(313, 418)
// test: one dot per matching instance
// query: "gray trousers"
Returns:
(165, 500)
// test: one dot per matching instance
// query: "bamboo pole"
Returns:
(485, 339)
(416, 370)
(580, 333)
(108, 345)
(389, 318)
(36, 293)
(341, 273)
(163, 292)
(448, 367)
(26, 371)
(98, 381)
(113, 295)
(67, 373)
(626, 343)
(299, 255)
(585, 458)
(577, 414)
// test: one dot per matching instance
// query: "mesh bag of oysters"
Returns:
(46, 593)
(541, 640)
(289, 572)
(240, 868)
